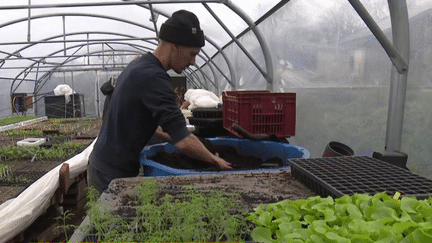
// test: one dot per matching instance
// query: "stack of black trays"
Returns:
(347, 175)
(208, 122)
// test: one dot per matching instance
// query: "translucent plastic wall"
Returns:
(323, 51)
(84, 83)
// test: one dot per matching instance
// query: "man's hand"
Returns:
(193, 147)
(222, 163)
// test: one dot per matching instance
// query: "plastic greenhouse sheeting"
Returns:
(19, 213)
(321, 50)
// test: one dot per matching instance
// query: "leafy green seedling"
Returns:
(64, 226)
(5, 170)
(356, 218)
(193, 216)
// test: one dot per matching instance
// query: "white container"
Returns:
(31, 141)
(186, 114)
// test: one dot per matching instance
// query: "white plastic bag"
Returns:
(201, 98)
(64, 89)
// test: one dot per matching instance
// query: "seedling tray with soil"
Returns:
(65, 138)
(252, 188)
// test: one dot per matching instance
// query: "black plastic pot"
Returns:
(334, 149)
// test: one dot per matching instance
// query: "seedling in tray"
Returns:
(5, 170)
(193, 217)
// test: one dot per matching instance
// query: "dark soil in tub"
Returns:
(228, 153)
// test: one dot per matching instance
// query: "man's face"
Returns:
(184, 57)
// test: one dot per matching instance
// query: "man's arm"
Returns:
(193, 147)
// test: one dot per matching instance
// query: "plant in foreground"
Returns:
(5, 170)
(356, 218)
(63, 223)
(15, 119)
(57, 151)
(194, 217)
(11, 178)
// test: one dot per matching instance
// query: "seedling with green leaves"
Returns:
(356, 218)
(64, 226)
(57, 151)
(5, 170)
(193, 217)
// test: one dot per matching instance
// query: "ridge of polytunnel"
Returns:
(58, 36)
(67, 59)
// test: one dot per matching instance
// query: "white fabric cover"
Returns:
(201, 98)
(64, 89)
(19, 213)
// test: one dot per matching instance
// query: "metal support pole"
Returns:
(261, 40)
(73, 96)
(64, 34)
(267, 75)
(231, 81)
(216, 79)
(401, 40)
(106, 3)
(103, 56)
(154, 17)
(398, 60)
(37, 71)
(113, 58)
(399, 54)
(98, 113)
(29, 18)
(88, 48)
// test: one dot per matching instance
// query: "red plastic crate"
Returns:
(260, 112)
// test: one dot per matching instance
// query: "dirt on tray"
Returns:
(228, 153)
(59, 130)
(254, 187)
(75, 130)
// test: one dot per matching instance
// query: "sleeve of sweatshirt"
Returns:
(160, 100)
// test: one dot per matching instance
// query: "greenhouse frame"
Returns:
(360, 68)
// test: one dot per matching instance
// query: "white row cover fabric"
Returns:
(19, 213)
(64, 89)
(201, 98)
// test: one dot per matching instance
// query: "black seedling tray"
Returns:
(347, 175)
(207, 112)
(206, 122)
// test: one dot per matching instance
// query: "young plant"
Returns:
(64, 226)
(194, 217)
(57, 151)
(357, 218)
(5, 170)
(23, 132)
(15, 119)
(104, 223)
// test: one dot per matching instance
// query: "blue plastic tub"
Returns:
(259, 149)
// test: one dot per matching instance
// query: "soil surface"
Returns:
(254, 187)
(228, 153)
(82, 131)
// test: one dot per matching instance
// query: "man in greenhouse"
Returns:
(143, 100)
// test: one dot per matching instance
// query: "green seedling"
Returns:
(356, 218)
(64, 226)
(193, 217)
(15, 119)
(23, 132)
(57, 151)
(5, 171)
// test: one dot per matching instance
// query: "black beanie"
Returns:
(182, 28)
